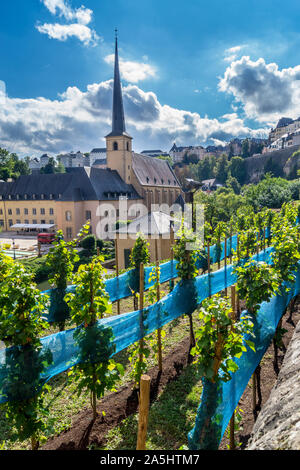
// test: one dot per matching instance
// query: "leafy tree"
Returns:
(257, 282)
(52, 167)
(245, 149)
(95, 371)
(89, 243)
(237, 169)
(221, 168)
(219, 339)
(22, 306)
(60, 259)
(233, 184)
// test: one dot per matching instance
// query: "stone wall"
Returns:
(278, 424)
(255, 165)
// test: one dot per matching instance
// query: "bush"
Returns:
(38, 267)
(89, 243)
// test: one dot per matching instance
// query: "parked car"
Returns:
(46, 238)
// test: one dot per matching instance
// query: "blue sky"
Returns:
(195, 72)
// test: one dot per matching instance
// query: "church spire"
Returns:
(118, 118)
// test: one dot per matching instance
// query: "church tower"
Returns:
(118, 142)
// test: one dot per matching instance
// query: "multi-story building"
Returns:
(83, 193)
(178, 153)
(284, 126)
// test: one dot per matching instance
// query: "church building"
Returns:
(67, 200)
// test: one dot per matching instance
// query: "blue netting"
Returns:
(63, 352)
(219, 400)
(124, 285)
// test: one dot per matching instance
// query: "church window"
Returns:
(115, 145)
(127, 146)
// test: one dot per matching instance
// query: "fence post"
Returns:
(225, 263)
(208, 269)
(231, 432)
(144, 401)
(117, 272)
(141, 310)
(159, 352)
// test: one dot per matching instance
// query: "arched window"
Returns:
(115, 145)
(127, 146)
(68, 216)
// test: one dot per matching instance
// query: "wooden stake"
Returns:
(143, 412)
(159, 352)
(172, 270)
(141, 309)
(117, 272)
(230, 243)
(231, 429)
(98, 251)
(208, 269)
(225, 263)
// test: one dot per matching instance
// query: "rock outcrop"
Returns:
(278, 424)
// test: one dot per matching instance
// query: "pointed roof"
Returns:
(118, 117)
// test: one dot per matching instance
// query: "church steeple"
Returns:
(118, 142)
(118, 118)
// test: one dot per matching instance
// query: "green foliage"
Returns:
(257, 282)
(21, 325)
(11, 166)
(89, 243)
(286, 255)
(61, 259)
(96, 371)
(247, 244)
(38, 267)
(139, 352)
(21, 304)
(219, 339)
(270, 192)
(53, 167)
(140, 252)
(186, 267)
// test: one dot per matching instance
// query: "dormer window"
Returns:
(9, 196)
(25, 196)
(42, 196)
(155, 180)
(115, 146)
(33, 196)
(18, 197)
(147, 179)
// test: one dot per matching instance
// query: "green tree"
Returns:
(61, 259)
(95, 371)
(22, 307)
(245, 148)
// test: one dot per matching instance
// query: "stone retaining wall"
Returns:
(278, 424)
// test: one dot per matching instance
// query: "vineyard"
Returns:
(225, 302)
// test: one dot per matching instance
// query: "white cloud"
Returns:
(78, 18)
(62, 32)
(232, 53)
(133, 72)
(264, 91)
(79, 120)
